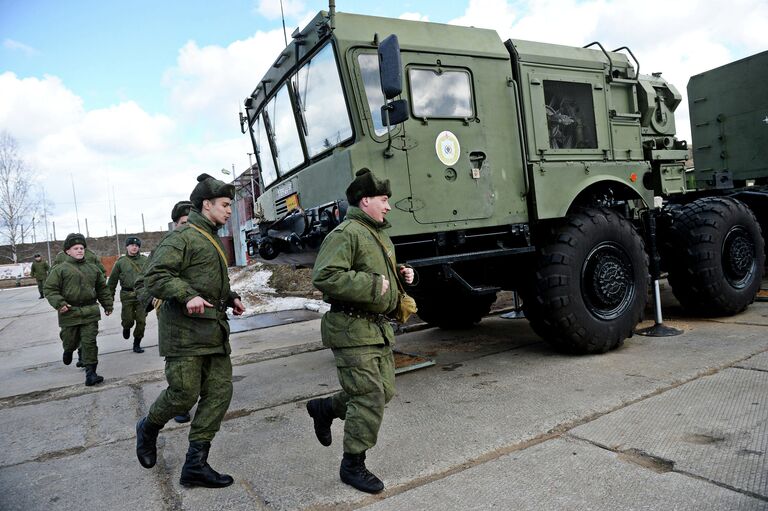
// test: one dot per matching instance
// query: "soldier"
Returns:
(72, 288)
(188, 272)
(125, 271)
(355, 276)
(40, 271)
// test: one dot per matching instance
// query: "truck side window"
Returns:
(369, 70)
(570, 115)
(289, 152)
(266, 163)
(322, 103)
(440, 93)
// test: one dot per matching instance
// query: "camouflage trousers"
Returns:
(207, 377)
(82, 337)
(133, 311)
(40, 286)
(367, 377)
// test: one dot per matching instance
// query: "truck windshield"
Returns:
(314, 96)
(321, 99)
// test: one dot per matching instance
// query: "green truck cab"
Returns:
(514, 165)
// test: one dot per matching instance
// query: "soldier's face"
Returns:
(376, 207)
(76, 251)
(182, 221)
(133, 249)
(38, 258)
(217, 210)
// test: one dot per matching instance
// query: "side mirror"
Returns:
(394, 112)
(390, 68)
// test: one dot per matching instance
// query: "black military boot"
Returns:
(146, 442)
(91, 378)
(354, 473)
(126, 333)
(196, 470)
(321, 411)
(79, 359)
(67, 358)
(137, 346)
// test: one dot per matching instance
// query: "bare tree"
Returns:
(17, 201)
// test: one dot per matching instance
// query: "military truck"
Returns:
(514, 165)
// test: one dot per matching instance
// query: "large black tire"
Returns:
(714, 253)
(451, 312)
(591, 283)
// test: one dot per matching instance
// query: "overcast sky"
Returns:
(138, 97)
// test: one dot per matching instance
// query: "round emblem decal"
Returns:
(447, 148)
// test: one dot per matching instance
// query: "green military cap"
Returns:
(133, 240)
(38, 255)
(74, 238)
(180, 209)
(367, 185)
(208, 187)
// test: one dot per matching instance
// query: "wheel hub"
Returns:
(608, 281)
(738, 257)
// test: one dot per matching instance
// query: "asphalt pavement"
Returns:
(501, 421)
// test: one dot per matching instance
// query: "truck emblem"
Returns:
(447, 148)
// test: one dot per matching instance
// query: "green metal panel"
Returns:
(729, 120)
(557, 184)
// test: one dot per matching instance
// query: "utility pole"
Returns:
(34, 235)
(117, 236)
(143, 227)
(54, 231)
(45, 217)
(77, 215)
(87, 234)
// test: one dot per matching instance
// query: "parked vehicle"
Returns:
(514, 165)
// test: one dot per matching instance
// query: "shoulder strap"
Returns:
(384, 250)
(133, 264)
(213, 242)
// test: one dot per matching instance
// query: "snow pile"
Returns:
(252, 283)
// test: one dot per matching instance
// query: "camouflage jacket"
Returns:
(39, 270)
(185, 265)
(77, 284)
(348, 271)
(127, 271)
(90, 257)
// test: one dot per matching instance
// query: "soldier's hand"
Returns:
(64, 308)
(384, 285)
(407, 274)
(197, 305)
(239, 308)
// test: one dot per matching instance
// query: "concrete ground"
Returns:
(501, 421)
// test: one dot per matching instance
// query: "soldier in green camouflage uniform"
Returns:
(358, 280)
(39, 271)
(188, 272)
(126, 271)
(72, 288)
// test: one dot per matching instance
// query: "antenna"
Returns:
(282, 15)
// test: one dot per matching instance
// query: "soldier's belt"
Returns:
(219, 305)
(359, 313)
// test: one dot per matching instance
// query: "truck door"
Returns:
(450, 163)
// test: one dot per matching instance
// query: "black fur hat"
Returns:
(367, 185)
(74, 238)
(208, 187)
